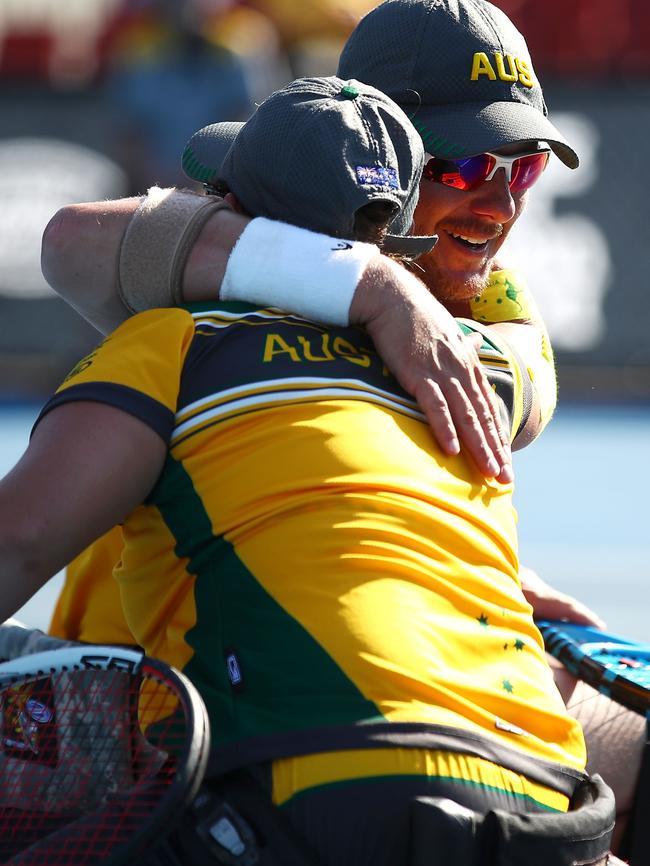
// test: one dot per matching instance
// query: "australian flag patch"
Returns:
(377, 175)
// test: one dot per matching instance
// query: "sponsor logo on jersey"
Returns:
(234, 670)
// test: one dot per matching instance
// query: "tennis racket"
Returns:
(101, 750)
(616, 666)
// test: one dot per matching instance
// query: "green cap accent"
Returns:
(304, 154)
(419, 53)
(349, 91)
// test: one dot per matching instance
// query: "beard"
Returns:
(444, 285)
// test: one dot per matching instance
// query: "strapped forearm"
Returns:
(88, 247)
(157, 244)
(272, 263)
(16, 641)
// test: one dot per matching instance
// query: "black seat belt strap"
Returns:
(636, 843)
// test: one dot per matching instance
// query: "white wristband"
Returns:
(280, 265)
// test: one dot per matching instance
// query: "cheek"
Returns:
(435, 203)
(521, 199)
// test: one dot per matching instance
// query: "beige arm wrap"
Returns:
(156, 246)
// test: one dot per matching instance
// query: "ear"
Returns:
(234, 203)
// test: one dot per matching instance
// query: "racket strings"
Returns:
(87, 757)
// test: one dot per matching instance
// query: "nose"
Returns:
(493, 199)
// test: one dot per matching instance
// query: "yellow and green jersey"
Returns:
(89, 607)
(311, 559)
(506, 298)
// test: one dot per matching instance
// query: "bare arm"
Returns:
(79, 258)
(50, 508)
(549, 603)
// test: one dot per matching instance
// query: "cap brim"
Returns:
(206, 150)
(409, 246)
(465, 129)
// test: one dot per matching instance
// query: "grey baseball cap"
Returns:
(461, 71)
(315, 152)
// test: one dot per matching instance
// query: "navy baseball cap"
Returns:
(315, 152)
(461, 71)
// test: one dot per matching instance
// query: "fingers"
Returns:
(489, 409)
(433, 403)
(475, 426)
(550, 603)
(576, 611)
(564, 607)
(493, 426)
(424, 348)
(495, 410)
(476, 413)
(461, 416)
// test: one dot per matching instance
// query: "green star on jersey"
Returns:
(483, 620)
(517, 644)
(507, 686)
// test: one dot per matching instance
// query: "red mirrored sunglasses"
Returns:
(522, 170)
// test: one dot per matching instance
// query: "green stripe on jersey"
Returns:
(288, 681)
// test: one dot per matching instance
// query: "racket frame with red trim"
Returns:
(162, 797)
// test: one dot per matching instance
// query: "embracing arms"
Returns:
(428, 355)
(88, 259)
(81, 252)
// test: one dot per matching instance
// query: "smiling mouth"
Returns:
(469, 242)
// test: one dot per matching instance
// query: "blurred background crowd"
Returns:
(98, 97)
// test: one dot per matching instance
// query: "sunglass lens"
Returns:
(443, 171)
(475, 169)
(459, 173)
(527, 171)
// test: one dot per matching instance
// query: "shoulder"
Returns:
(506, 298)
(157, 325)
